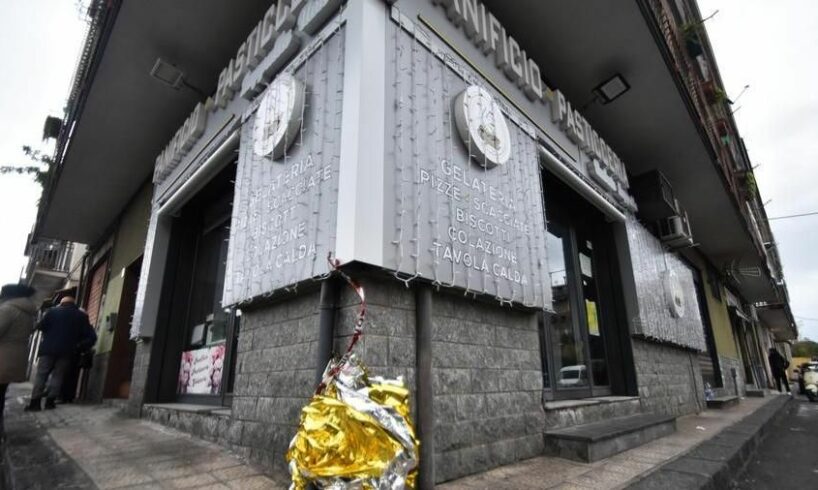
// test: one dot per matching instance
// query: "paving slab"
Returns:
(93, 447)
(628, 468)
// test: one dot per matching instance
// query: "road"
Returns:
(788, 457)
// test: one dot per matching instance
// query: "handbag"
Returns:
(86, 360)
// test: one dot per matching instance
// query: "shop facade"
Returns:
(108, 296)
(517, 268)
(431, 177)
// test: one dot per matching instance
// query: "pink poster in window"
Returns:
(200, 371)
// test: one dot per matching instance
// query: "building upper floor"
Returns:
(642, 73)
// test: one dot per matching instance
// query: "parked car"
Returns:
(575, 375)
(806, 367)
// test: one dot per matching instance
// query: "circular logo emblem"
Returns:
(674, 294)
(482, 127)
(278, 118)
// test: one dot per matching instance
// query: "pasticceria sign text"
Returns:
(486, 32)
(279, 19)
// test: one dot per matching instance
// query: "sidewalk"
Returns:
(638, 466)
(91, 446)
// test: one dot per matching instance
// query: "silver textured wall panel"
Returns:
(453, 221)
(284, 210)
(658, 319)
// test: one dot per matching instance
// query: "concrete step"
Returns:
(570, 413)
(599, 440)
(756, 393)
(723, 402)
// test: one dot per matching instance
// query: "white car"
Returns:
(573, 376)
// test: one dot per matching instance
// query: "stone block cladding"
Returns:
(487, 383)
(729, 389)
(95, 387)
(275, 377)
(486, 376)
(139, 378)
(388, 344)
(276, 368)
(669, 378)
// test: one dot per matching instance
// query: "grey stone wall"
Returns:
(669, 378)
(275, 373)
(728, 388)
(388, 344)
(486, 375)
(139, 378)
(487, 386)
(95, 389)
(217, 427)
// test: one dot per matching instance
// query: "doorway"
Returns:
(745, 352)
(708, 359)
(200, 336)
(121, 359)
(583, 354)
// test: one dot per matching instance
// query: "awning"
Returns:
(779, 320)
(651, 126)
(128, 116)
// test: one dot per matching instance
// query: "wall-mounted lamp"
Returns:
(611, 89)
(173, 77)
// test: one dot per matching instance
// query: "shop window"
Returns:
(202, 334)
(581, 338)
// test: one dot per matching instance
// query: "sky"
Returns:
(769, 45)
(772, 46)
(39, 44)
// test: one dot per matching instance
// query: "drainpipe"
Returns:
(423, 385)
(83, 276)
(326, 325)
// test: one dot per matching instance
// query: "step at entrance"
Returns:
(756, 393)
(722, 402)
(592, 442)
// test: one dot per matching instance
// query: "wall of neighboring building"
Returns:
(128, 246)
(669, 378)
(725, 341)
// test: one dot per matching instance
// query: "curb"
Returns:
(715, 462)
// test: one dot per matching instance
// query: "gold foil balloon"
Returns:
(358, 434)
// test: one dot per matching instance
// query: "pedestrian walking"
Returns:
(779, 366)
(17, 313)
(66, 331)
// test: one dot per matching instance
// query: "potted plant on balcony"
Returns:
(722, 127)
(747, 184)
(713, 94)
(692, 37)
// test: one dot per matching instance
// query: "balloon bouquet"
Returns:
(356, 432)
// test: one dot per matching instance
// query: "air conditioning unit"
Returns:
(675, 231)
(654, 196)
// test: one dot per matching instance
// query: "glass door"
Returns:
(590, 301)
(574, 331)
(564, 326)
(202, 340)
(576, 335)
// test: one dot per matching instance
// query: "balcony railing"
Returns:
(699, 74)
(50, 255)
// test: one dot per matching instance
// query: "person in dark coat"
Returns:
(779, 366)
(17, 312)
(66, 331)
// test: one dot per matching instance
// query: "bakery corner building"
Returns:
(551, 211)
